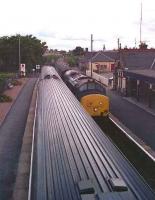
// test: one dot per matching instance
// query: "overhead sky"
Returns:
(65, 24)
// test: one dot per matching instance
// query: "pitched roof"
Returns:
(87, 57)
(107, 56)
(138, 59)
(101, 57)
(114, 54)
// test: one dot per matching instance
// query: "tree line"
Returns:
(31, 51)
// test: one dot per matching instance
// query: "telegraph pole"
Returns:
(118, 43)
(19, 51)
(141, 25)
(91, 55)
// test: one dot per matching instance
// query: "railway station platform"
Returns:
(136, 120)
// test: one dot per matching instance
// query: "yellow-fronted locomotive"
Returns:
(88, 91)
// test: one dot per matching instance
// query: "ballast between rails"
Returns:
(74, 158)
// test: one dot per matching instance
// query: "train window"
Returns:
(91, 86)
(99, 87)
(83, 88)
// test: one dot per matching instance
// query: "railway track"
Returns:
(139, 159)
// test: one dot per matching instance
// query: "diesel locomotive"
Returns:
(90, 93)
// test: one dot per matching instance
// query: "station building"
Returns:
(102, 63)
(132, 71)
(135, 75)
(140, 84)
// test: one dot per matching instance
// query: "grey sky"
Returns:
(65, 24)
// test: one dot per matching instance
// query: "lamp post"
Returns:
(91, 55)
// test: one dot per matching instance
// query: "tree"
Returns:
(31, 50)
(143, 45)
(78, 51)
(50, 59)
(72, 61)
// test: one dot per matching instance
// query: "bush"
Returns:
(2, 85)
(5, 98)
(72, 61)
(6, 75)
(16, 82)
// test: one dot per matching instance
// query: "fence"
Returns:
(99, 78)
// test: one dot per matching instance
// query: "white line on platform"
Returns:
(32, 151)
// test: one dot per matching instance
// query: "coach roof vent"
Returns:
(47, 76)
(118, 184)
(55, 76)
(86, 187)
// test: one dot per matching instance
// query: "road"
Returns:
(140, 122)
(11, 134)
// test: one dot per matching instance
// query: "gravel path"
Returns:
(11, 134)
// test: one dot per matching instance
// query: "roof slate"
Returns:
(101, 57)
(138, 59)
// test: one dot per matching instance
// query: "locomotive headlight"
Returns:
(100, 103)
(95, 109)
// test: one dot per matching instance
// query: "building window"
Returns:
(112, 67)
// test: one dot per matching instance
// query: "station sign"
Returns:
(22, 70)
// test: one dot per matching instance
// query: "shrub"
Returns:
(2, 85)
(6, 75)
(16, 82)
(5, 98)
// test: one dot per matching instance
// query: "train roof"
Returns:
(48, 72)
(75, 159)
(77, 79)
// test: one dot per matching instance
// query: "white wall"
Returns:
(99, 78)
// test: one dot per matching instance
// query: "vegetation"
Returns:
(6, 75)
(51, 59)
(78, 51)
(72, 60)
(5, 98)
(143, 45)
(73, 57)
(7, 80)
(16, 82)
(31, 50)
